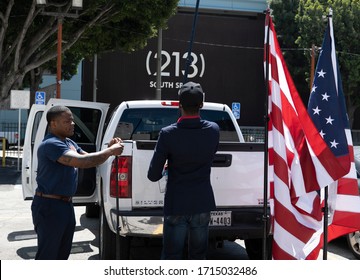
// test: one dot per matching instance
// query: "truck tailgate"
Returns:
(236, 176)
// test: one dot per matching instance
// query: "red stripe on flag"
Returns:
(348, 186)
(280, 254)
(297, 134)
(288, 220)
(281, 169)
(347, 218)
(334, 231)
(277, 119)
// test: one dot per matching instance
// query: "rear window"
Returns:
(146, 123)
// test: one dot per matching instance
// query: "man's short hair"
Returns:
(55, 112)
(191, 96)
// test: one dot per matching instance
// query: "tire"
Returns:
(254, 248)
(107, 242)
(353, 240)
(92, 211)
(124, 244)
(107, 239)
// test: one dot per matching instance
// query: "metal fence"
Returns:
(9, 141)
(10, 130)
(253, 133)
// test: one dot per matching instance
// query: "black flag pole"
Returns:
(326, 219)
(266, 120)
(189, 58)
(117, 240)
(326, 190)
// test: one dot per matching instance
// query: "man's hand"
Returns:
(116, 147)
(115, 140)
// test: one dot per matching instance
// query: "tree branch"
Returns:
(39, 60)
(5, 21)
(38, 42)
(22, 35)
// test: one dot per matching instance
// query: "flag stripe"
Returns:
(342, 202)
(279, 254)
(347, 186)
(303, 174)
(302, 228)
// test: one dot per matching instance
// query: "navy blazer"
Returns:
(189, 147)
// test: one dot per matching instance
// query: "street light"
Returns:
(75, 4)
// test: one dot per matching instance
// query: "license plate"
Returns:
(220, 218)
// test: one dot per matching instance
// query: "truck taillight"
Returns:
(121, 174)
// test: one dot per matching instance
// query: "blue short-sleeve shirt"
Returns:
(52, 176)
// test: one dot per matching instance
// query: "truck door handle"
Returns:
(222, 160)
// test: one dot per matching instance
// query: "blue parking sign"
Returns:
(236, 110)
(40, 97)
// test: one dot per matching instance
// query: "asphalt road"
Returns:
(18, 239)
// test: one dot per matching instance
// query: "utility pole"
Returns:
(95, 78)
(75, 4)
(312, 70)
(159, 61)
(58, 62)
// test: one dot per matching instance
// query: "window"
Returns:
(146, 123)
(86, 125)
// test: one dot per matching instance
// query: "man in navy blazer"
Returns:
(188, 148)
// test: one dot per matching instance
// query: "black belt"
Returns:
(55, 196)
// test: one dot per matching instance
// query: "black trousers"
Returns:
(54, 223)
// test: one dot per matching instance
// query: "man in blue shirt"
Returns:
(188, 147)
(58, 161)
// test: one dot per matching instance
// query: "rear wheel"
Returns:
(107, 239)
(254, 248)
(353, 240)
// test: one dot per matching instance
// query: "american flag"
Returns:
(300, 162)
(328, 111)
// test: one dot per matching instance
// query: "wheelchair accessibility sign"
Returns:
(40, 97)
(236, 110)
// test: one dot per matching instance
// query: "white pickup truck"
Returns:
(134, 208)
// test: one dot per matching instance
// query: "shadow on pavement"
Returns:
(9, 175)
(28, 253)
(21, 235)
